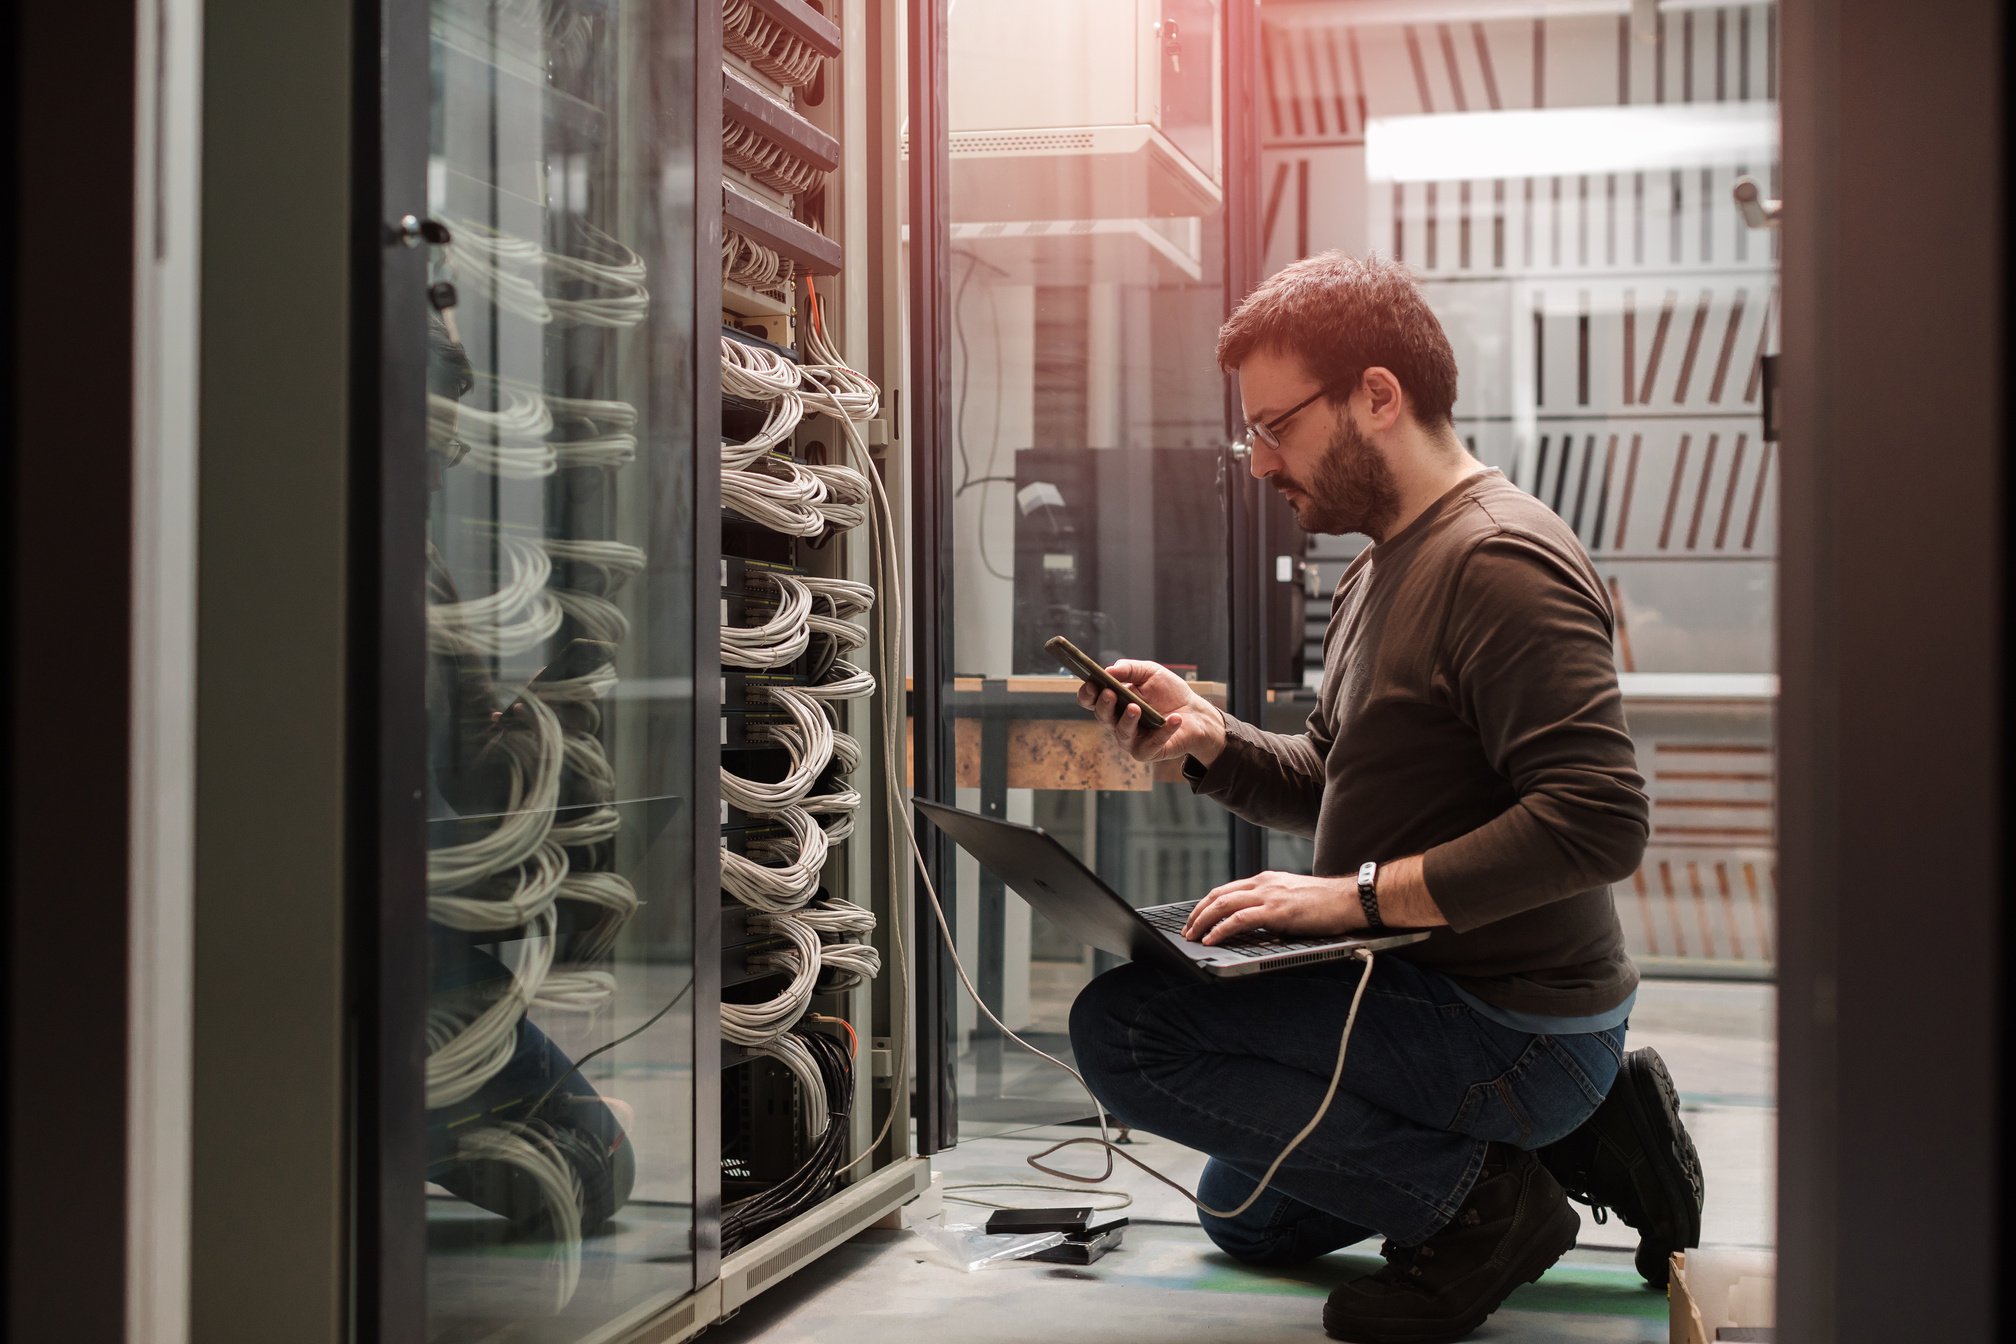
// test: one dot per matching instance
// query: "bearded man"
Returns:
(1466, 770)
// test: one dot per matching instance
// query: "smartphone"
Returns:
(1089, 670)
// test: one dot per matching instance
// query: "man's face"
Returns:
(1327, 469)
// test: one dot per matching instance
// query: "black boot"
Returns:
(1634, 1156)
(1513, 1226)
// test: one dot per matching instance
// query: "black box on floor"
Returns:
(1038, 1220)
(1082, 1248)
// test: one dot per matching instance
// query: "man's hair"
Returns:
(1341, 315)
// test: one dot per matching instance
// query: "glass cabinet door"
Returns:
(560, 558)
(1089, 495)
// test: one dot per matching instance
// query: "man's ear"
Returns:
(1384, 399)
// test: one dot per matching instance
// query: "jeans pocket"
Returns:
(1492, 1109)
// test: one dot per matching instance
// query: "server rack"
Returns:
(554, 1140)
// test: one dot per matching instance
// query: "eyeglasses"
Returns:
(1269, 432)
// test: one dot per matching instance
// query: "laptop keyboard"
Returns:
(1171, 918)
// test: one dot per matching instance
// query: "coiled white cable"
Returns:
(598, 617)
(535, 754)
(601, 824)
(609, 264)
(846, 752)
(755, 372)
(508, 443)
(808, 736)
(590, 686)
(846, 965)
(843, 964)
(846, 505)
(510, 271)
(534, 886)
(841, 599)
(847, 682)
(842, 803)
(834, 915)
(848, 597)
(527, 1149)
(608, 437)
(465, 1050)
(576, 992)
(782, 496)
(779, 424)
(493, 264)
(756, 1023)
(767, 160)
(784, 887)
(744, 261)
(614, 563)
(611, 892)
(779, 639)
(520, 614)
(767, 45)
(584, 757)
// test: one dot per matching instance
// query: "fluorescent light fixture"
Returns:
(1564, 141)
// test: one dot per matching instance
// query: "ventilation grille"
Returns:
(1021, 142)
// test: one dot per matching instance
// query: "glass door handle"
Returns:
(413, 230)
(1758, 212)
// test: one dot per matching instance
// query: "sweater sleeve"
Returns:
(1271, 779)
(1527, 661)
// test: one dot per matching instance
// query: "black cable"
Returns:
(965, 358)
(966, 478)
(748, 1218)
(980, 544)
(804, 1186)
(547, 1095)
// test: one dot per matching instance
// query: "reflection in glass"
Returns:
(1089, 499)
(559, 693)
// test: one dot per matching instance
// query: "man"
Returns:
(1466, 770)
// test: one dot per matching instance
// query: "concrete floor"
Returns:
(1168, 1284)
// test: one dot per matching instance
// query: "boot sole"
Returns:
(1653, 1104)
(1556, 1239)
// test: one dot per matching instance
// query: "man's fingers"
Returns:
(1132, 671)
(1155, 740)
(1236, 923)
(1220, 902)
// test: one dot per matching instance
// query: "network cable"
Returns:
(851, 398)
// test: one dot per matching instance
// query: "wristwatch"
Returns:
(1368, 895)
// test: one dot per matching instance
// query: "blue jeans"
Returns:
(1235, 1069)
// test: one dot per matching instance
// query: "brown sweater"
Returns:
(1469, 712)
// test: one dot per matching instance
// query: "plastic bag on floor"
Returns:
(972, 1247)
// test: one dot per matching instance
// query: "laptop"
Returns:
(1048, 876)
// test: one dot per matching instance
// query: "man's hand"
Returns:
(1194, 726)
(1281, 903)
(1295, 903)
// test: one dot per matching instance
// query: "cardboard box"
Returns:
(1715, 1293)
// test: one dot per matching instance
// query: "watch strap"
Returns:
(1368, 894)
